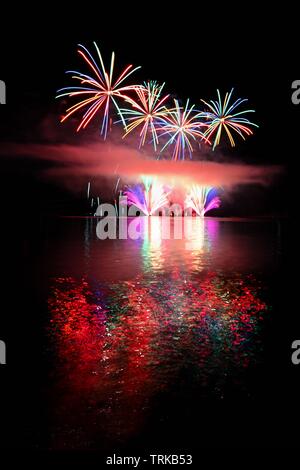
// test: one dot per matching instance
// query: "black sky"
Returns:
(192, 53)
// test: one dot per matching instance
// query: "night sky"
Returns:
(193, 56)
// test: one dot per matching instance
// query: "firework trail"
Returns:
(97, 92)
(222, 116)
(202, 199)
(146, 112)
(148, 197)
(117, 184)
(184, 125)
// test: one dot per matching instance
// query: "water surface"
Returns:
(158, 343)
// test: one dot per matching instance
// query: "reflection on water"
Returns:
(119, 344)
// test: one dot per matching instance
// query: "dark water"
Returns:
(160, 343)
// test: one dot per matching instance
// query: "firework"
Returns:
(146, 112)
(202, 199)
(184, 126)
(148, 197)
(96, 92)
(222, 116)
(88, 189)
(117, 184)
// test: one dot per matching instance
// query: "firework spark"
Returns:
(222, 115)
(202, 199)
(183, 125)
(146, 112)
(148, 197)
(97, 92)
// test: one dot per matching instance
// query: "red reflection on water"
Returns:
(117, 346)
(78, 324)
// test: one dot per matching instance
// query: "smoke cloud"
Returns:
(65, 161)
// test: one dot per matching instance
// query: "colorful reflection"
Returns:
(118, 345)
